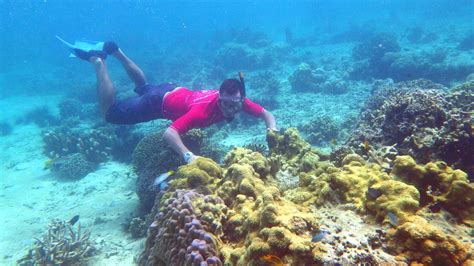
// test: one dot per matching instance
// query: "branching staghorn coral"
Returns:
(60, 245)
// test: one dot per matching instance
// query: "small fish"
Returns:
(373, 193)
(272, 260)
(74, 220)
(319, 235)
(163, 185)
(393, 218)
(366, 145)
(333, 141)
(162, 178)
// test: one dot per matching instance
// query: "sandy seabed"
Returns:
(30, 197)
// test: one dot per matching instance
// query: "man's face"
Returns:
(230, 104)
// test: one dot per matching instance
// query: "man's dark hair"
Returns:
(231, 86)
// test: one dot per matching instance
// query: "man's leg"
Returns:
(105, 88)
(133, 71)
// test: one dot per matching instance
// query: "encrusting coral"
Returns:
(236, 214)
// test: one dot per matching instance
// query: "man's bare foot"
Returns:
(110, 48)
(95, 60)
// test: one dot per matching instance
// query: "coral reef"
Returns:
(376, 47)
(72, 166)
(419, 242)
(419, 35)
(286, 181)
(183, 232)
(137, 227)
(370, 56)
(320, 129)
(355, 32)
(294, 208)
(419, 119)
(304, 78)
(97, 144)
(266, 88)
(152, 156)
(234, 56)
(380, 57)
(202, 175)
(398, 198)
(41, 116)
(60, 245)
(430, 64)
(439, 184)
(254, 39)
(258, 147)
(71, 108)
(307, 79)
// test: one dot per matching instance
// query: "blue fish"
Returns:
(163, 185)
(373, 193)
(393, 218)
(319, 235)
(160, 181)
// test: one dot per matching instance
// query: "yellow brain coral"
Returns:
(245, 156)
(202, 173)
(396, 197)
(352, 182)
(438, 182)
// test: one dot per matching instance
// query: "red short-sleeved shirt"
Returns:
(194, 109)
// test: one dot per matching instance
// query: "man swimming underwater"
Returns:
(186, 108)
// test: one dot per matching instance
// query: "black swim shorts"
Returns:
(145, 107)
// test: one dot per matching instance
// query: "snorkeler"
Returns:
(186, 108)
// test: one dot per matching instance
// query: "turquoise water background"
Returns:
(190, 43)
(30, 53)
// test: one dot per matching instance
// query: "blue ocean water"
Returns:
(313, 64)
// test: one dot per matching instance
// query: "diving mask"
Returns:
(230, 105)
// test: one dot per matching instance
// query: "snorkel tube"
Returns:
(242, 81)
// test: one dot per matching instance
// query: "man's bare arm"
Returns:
(270, 121)
(173, 139)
